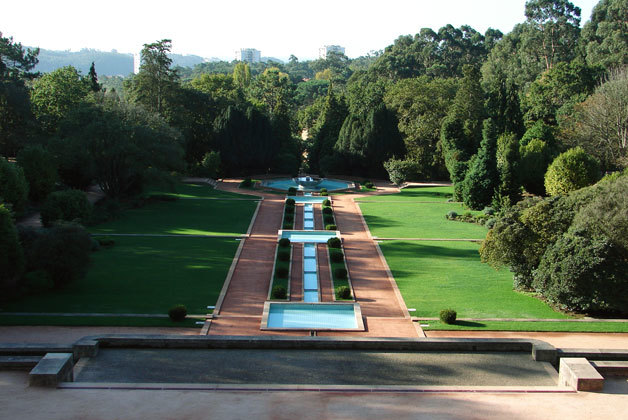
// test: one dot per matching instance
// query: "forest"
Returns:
(517, 122)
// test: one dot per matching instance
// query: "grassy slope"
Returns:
(183, 190)
(441, 194)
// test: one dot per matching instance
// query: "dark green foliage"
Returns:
(246, 183)
(369, 184)
(289, 218)
(448, 316)
(292, 191)
(211, 164)
(451, 215)
(539, 130)
(40, 171)
(73, 160)
(508, 191)
(290, 202)
(62, 252)
(327, 210)
(327, 203)
(482, 177)
(328, 219)
(336, 256)
(278, 292)
(536, 156)
(326, 130)
(106, 241)
(282, 272)
(323, 190)
(570, 171)
(284, 242)
(400, 171)
(604, 36)
(178, 313)
(13, 186)
(324, 194)
(584, 273)
(340, 273)
(68, 205)
(331, 227)
(283, 255)
(93, 79)
(105, 210)
(366, 141)
(334, 243)
(343, 292)
(11, 256)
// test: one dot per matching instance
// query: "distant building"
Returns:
(323, 51)
(250, 55)
(137, 61)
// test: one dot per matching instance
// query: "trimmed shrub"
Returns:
(284, 242)
(327, 210)
(290, 202)
(343, 292)
(105, 210)
(340, 273)
(571, 171)
(178, 313)
(246, 183)
(323, 190)
(336, 255)
(106, 241)
(68, 205)
(211, 164)
(331, 227)
(287, 225)
(490, 223)
(11, 257)
(289, 210)
(324, 194)
(13, 186)
(289, 218)
(278, 292)
(283, 255)
(451, 215)
(489, 211)
(367, 184)
(40, 171)
(334, 242)
(327, 203)
(448, 316)
(282, 272)
(292, 191)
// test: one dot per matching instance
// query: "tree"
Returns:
(482, 177)
(242, 75)
(93, 79)
(400, 171)
(55, 94)
(554, 29)
(16, 62)
(537, 148)
(508, 191)
(40, 171)
(605, 36)
(156, 82)
(273, 89)
(325, 132)
(570, 171)
(11, 256)
(13, 186)
(67, 205)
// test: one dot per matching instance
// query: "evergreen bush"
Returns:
(448, 316)
(284, 242)
(68, 205)
(278, 292)
(343, 292)
(177, 313)
(334, 242)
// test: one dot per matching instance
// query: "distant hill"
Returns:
(110, 63)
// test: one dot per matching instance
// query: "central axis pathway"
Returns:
(241, 310)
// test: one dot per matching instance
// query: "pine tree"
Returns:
(93, 79)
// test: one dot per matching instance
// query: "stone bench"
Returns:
(578, 373)
(52, 369)
(611, 368)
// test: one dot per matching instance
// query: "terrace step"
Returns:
(52, 369)
(611, 368)
(579, 374)
(595, 354)
(19, 362)
(30, 349)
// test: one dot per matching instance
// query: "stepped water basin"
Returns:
(306, 199)
(312, 316)
(303, 236)
(330, 184)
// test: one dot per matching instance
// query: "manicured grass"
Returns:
(438, 194)
(601, 327)
(78, 321)
(418, 220)
(184, 217)
(437, 275)
(141, 275)
(184, 190)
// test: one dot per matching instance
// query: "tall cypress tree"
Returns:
(93, 79)
(482, 177)
(327, 129)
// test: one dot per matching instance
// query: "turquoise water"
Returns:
(286, 183)
(295, 315)
(302, 199)
(316, 236)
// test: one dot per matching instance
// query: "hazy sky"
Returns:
(278, 28)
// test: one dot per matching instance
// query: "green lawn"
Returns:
(418, 220)
(598, 327)
(438, 194)
(145, 275)
(435, 275)
(184, 190)
(184, 217)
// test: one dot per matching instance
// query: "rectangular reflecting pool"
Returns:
(312, 316)
(317, 236)
(299, 199)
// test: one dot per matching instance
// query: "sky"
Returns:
(278, 28)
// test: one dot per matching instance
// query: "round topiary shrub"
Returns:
(368, 184)
(327, 202)
(178, 313)
(282, 272)
(334, 242)
(324, 194)
(289, 218)
(283, 255)
(336, 256)
(490, 223)
(451, 215)
(278, 292)
(448, 316)
(323, 190)
(327, 210)
(68, 205)
(343, 292)
(331, 227)
(290, 202)
(289, 209)
(246, 183)
(340, 273)
(292, 191)
(284, 242)
(489, 211)
(570, 171)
